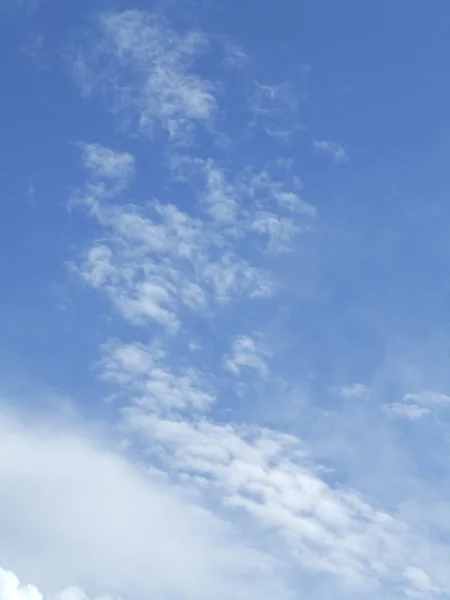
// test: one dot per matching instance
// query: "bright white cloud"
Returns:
(75, 512)
(11, 589)
(269, 477)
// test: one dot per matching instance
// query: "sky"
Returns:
(224, 332)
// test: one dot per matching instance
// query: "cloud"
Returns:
(234, 509)
(357, 390)
(269, 476)
(75, 511)
(145, 372)
(161, 90)
(335, 150)
(106, 163)
(275, 109)
(10, 589)
(266, 202)
(420, 581)
(168, 262)
(247, 355)
(428, 398)
(235, 56)
(411, 412)
(418, 405)
(159, 260)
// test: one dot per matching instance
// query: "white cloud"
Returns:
(268, 476)
(357, 390)
(246, 354)
(411, 412)
(164, 92)
(156, 261)
(106, 163)
(11, 589)
(420, 581)
(266, 203)
(335, 150)
(428, 398)
(75, 512)
(280, 232)
(418, 405)
(144, 373)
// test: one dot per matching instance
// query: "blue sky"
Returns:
(224, 341)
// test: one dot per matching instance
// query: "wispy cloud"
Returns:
(357, 390)
(159, 89)
(247, 354)
(335, 150)
(411, 412)
(106, 163)
(275, 109)
(418, 405)
(25, 6)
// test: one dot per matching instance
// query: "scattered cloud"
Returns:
(418, 405)
(160, 89)
(235, 56)
(144, 373)
(357, 390)
(428, 398)
(180, 483)
(411, 412)
(246, 354)
(269, 476)
(106, 163)
(275, 109)
(335, 150)
(163, 261)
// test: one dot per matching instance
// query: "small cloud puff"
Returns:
(335, 150)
